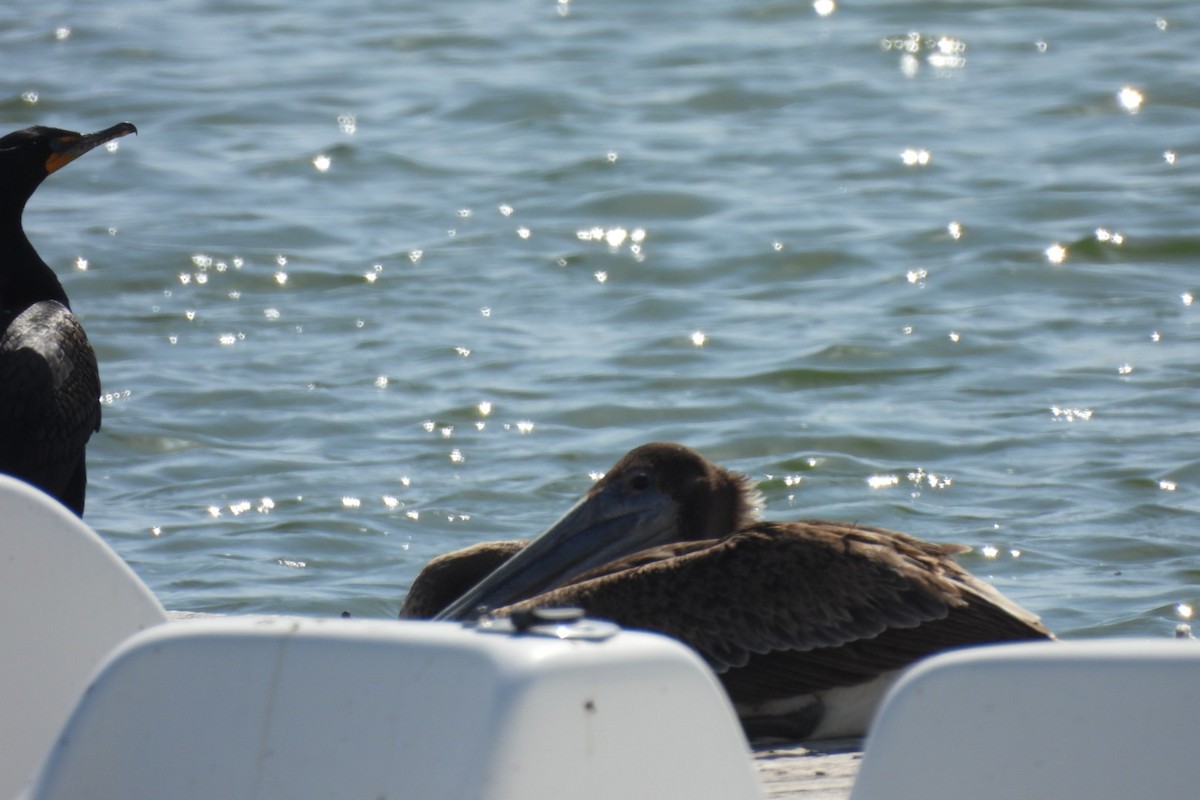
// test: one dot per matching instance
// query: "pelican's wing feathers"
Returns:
(449, 575)
(787, 608)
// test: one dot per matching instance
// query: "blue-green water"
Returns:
(381, 279)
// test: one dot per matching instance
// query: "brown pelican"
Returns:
(806, 623)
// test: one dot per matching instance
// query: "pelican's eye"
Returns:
(639, 481)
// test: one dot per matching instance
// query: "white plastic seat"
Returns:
(301, 708)
(66, 600)
(1094, 720)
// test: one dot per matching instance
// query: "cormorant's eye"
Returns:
(62, 143)
(639, 481)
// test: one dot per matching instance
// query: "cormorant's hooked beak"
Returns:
(604, 525)
(68, 148)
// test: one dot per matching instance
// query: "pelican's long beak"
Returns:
(606, 524)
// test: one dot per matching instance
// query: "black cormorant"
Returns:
(49, 383)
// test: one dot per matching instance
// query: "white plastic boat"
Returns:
(102, 698)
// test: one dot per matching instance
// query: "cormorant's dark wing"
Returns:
(49, 400)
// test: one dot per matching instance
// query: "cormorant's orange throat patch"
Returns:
(64, 153)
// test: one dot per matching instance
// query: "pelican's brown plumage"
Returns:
(806, 623)
(446, 577)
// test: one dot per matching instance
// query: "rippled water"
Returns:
(380, 279)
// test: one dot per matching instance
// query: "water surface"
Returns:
(377, 280)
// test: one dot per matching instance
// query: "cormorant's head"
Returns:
(28, 156)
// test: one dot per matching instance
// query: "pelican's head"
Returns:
(656, 494)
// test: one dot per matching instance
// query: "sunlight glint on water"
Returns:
(377, 280)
